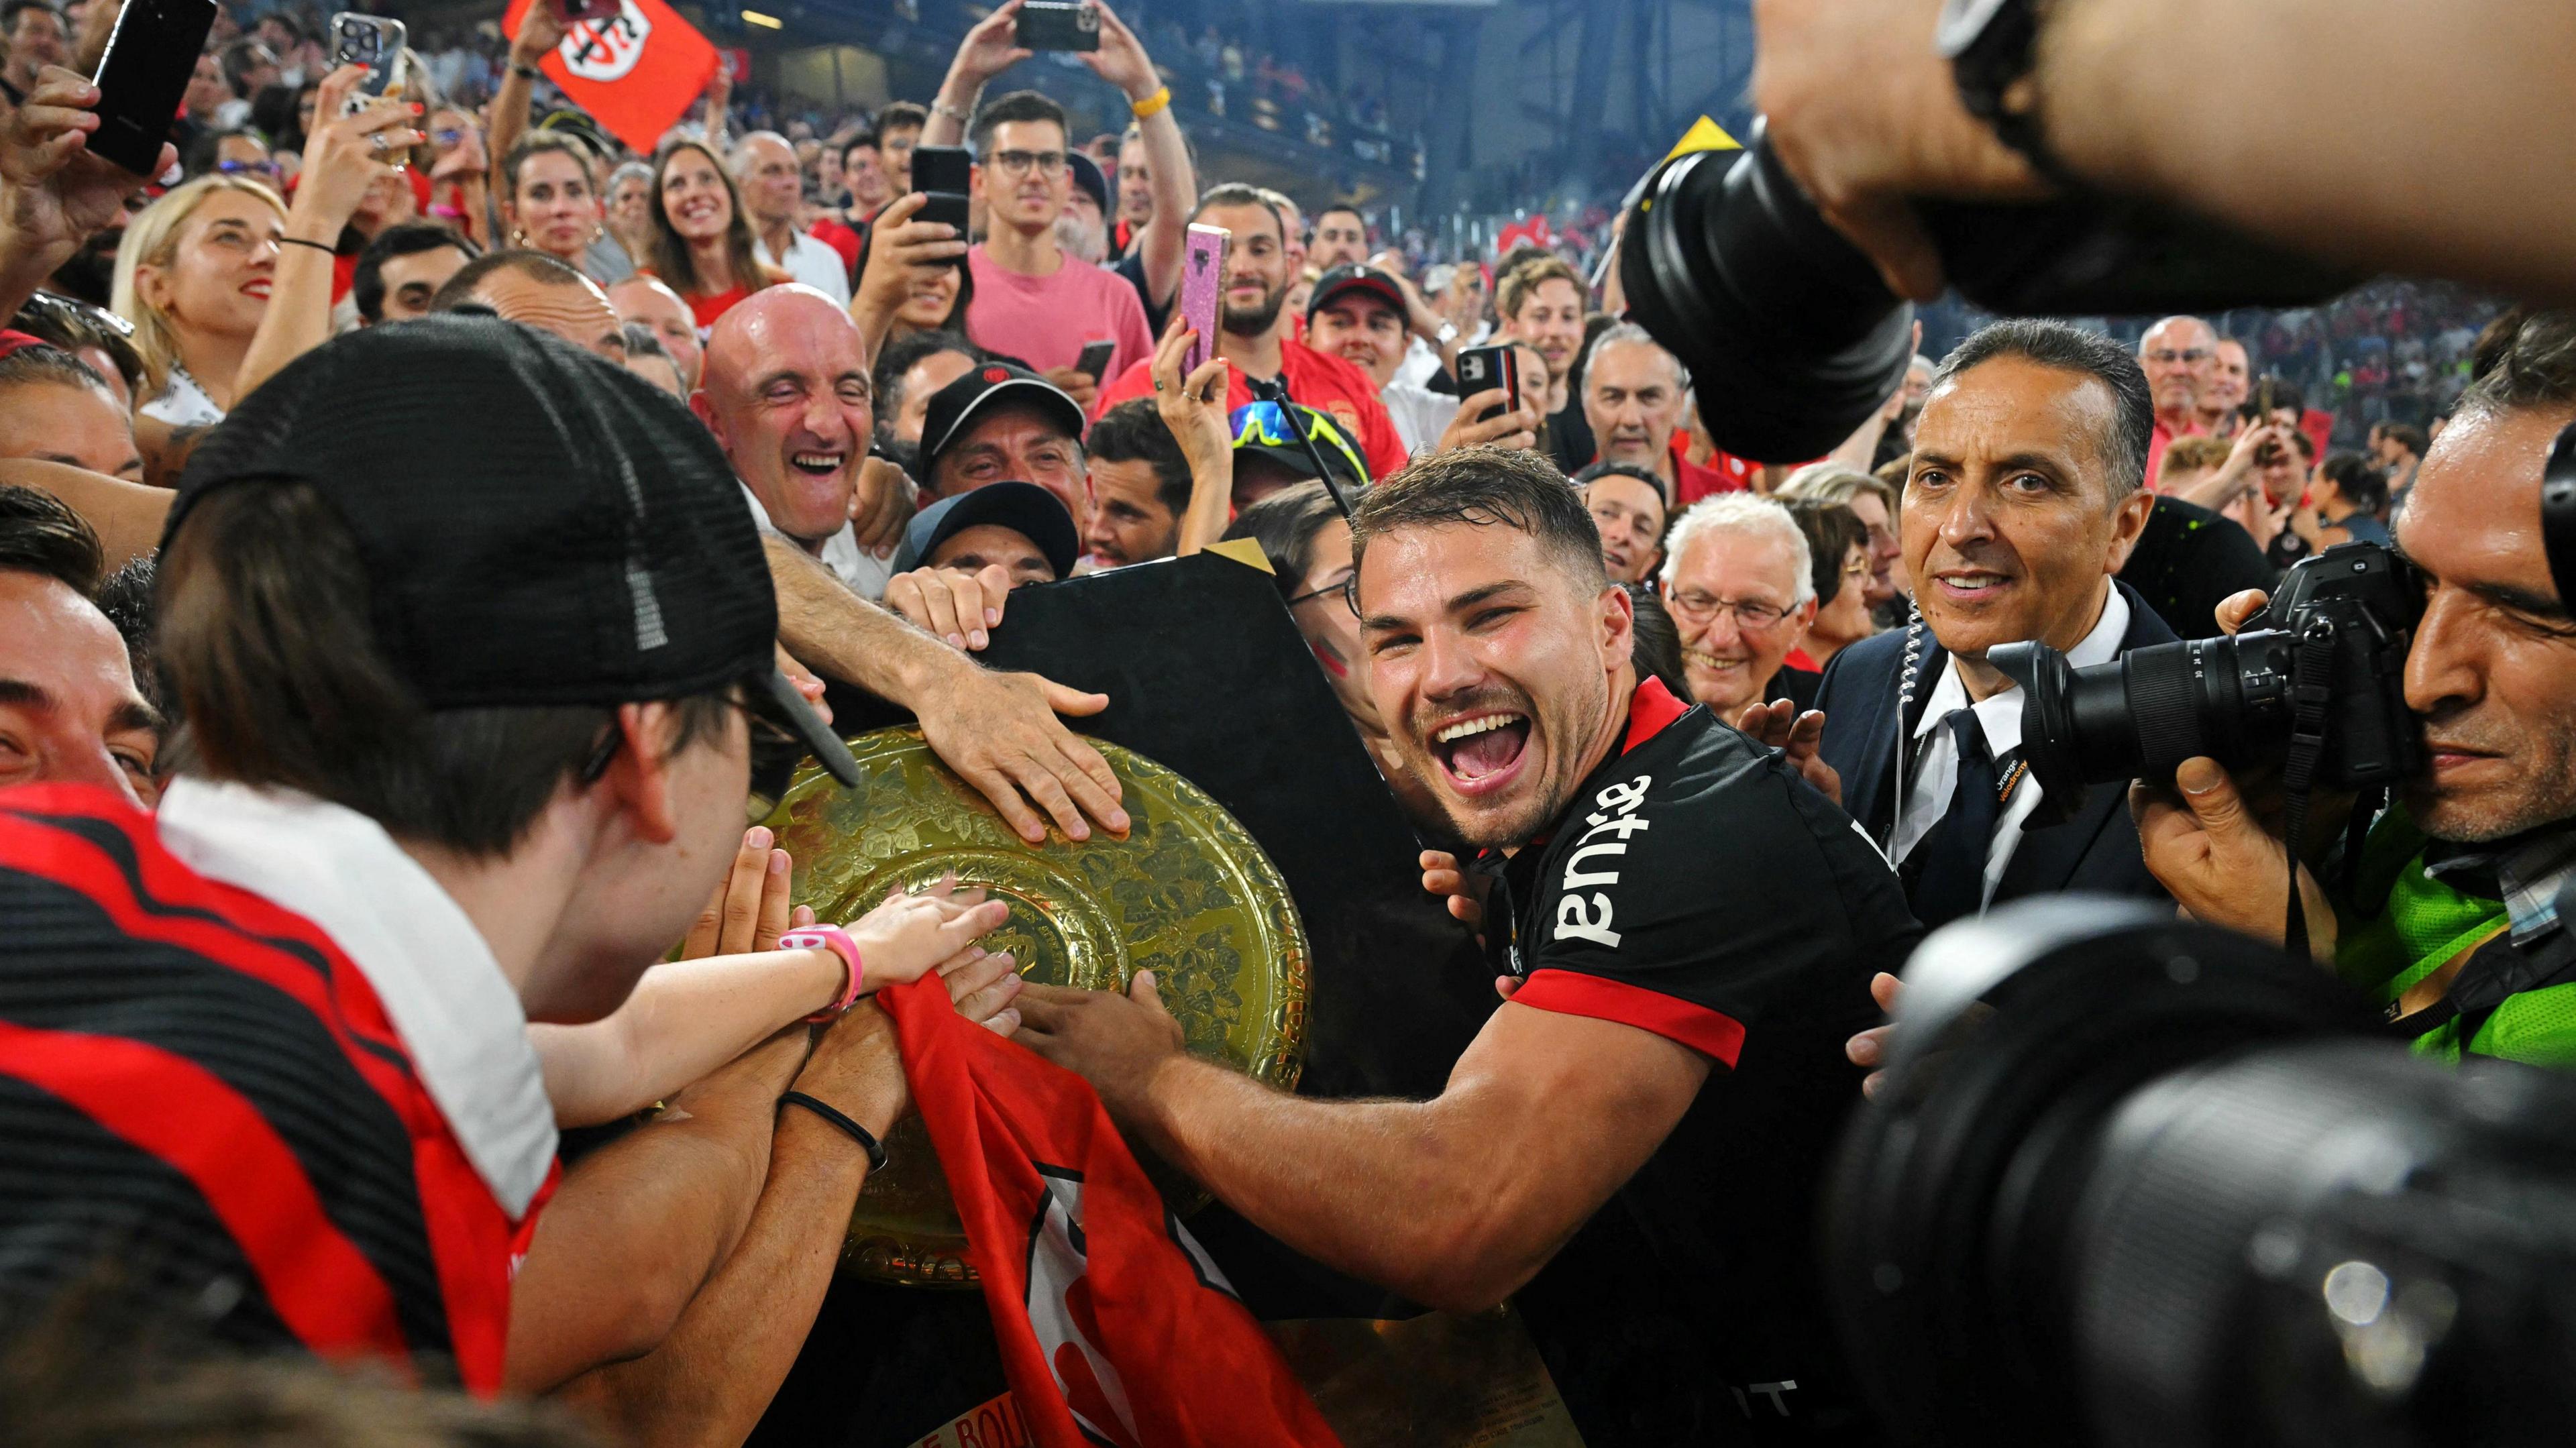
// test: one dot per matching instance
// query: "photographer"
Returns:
(2448, 917)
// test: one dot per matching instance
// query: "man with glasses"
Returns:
(37, 38)
(1741, 589)
(2180, 355)
(2025, 499)
(1033, 300)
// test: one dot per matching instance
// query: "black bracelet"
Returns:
(525, 72)
(875, 1149)
(316, 245)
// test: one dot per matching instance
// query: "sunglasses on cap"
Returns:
(77, 316)
(1267, 424)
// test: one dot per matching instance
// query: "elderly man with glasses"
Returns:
(2180, 357)
(1739, 585)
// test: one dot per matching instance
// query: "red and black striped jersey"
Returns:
(199, 1087)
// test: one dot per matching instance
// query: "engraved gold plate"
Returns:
(1188, 895)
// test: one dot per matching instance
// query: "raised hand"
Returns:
(1121, 58)
(1505, 429)
(992, 47)
(55, 194)
(1779, 725)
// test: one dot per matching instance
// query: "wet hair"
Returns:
(1485, 487)
(2533, 366)
(2057, 345)
(1134, 432)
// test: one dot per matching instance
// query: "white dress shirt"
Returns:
(864, 571)
(812, 262)
(458, 1015)
(1935, 776)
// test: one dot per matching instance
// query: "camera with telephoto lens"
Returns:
(2329, 653)
(2130, 1180)
(1792, 339)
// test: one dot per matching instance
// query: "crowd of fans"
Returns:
(360, 621)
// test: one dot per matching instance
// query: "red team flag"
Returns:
(1533, 232)
(1114, 1326)
(638, 73)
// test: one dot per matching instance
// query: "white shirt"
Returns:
(1936, 772)
(183, 403)
(458, 1016)
(812, 262)
(1421, 363)
(864, 571)
(1420, 414)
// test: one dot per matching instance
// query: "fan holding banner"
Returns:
(638, 70)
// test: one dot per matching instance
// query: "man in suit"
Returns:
(2024, 499)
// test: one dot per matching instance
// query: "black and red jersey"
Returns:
(1699, 890)
(198, 1089)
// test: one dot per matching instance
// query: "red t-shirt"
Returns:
(1327, 384)
(705, 309)
(841, 237)
(1726, 473)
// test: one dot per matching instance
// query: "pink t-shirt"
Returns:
(1044, 321)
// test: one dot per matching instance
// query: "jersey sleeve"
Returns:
(1687, 905)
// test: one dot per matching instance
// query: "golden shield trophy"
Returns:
(1186, 894)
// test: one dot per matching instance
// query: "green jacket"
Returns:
(2400, 925)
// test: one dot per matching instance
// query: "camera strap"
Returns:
(2311, 694)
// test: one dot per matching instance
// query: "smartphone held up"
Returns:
(378, 45)
(1202, 291)
(143, 78)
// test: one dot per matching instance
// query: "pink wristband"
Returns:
(836, 940)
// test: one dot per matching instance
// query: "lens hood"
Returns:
(1956, 1188)
(1791, 339)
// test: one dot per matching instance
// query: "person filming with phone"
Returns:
(2447, 915)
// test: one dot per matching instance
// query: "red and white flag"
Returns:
(1114, 1326)
(1533, 232)
(637, 73)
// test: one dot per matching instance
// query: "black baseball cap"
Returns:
(1353, 277)
(946, 416)
(1086, 174)
(584, 543)
(1025, 508)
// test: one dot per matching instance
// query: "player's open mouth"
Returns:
(1479, 753)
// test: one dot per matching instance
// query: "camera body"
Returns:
(2330, 649)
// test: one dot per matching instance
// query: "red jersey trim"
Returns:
(1651, 710)
(323, 1288)
(1571, 993)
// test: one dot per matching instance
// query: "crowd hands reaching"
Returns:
(922, 420)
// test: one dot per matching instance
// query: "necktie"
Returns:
(1952, 881)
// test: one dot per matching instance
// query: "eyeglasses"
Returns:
(1267, 424)
(1693, 606)
(247, 168)
(1343, 590)
(2167, 356)
(448, 135)
(775, 754)
(1016, 163)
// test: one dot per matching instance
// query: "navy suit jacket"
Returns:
(1872, 702)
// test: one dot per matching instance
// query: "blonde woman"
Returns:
(225, 283)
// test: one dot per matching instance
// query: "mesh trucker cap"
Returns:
(539, 527)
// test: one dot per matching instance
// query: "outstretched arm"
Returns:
(1454, 1202)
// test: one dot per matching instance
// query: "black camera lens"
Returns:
(2134, 1181)
(2142, 714)
(1790, 337)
